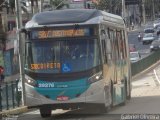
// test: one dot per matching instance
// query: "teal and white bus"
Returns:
(74, 58)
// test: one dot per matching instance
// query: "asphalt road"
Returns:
(144, 104)
(133, 39)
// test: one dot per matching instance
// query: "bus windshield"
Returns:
(62, 56)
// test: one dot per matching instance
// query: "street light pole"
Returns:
(153, 7)
(41, 5)
(123, 9)
(19, 37)
(143, 9)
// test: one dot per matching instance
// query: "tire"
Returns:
(45, 112)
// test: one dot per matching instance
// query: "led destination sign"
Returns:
(41, 66)
(43, 34)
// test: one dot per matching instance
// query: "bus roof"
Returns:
(71, 16)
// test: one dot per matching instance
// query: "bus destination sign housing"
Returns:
(52, 33)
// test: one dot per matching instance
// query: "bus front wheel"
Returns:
(45, 112)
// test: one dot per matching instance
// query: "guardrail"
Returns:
(144, 63)
(10, 96)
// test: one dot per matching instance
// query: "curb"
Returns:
(145, 71)
(14, 111)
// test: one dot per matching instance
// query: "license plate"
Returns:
(62, 98)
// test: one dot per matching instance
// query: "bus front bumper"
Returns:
(93, 95)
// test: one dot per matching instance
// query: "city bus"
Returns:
(75, 58)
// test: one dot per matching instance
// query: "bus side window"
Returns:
(103, 41)
(106, 46)
(118, 44)
(124, 44)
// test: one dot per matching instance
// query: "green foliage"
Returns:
(12, 4)
(58, 4)
(148, 4)
(104, 5)
(112, 6)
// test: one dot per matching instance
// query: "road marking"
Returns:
(156, 76)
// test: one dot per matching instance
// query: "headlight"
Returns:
(98, 76)
(31, 82)
(151, 46)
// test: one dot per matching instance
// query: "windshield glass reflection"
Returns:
(65, 56)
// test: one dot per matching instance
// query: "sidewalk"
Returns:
(15, 111)
(11, 78)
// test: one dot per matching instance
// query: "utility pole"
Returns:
(123, 9)
(143, 14)
(84, 3)
(32, 5)
(153, 6)
(41, 5)
(19, 37)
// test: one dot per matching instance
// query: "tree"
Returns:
(104, 5)
(12, 5)
(149, 8)
(112, 6)
(1, 2)
(58, 4)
